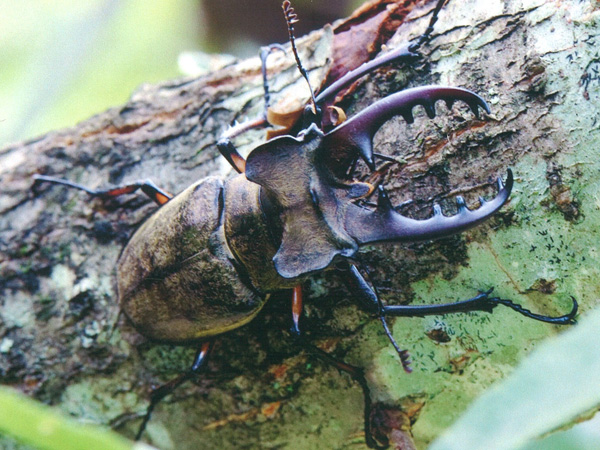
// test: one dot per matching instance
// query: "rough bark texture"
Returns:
(61, 338)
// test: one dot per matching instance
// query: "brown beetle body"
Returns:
(171, 269)
(203, 264)
(178, 278)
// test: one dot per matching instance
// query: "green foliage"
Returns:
(41, 427)
(556, 384)
(66, 60)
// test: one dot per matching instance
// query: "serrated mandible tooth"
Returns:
(437, 209)
(474, 107)
(460, 203)
(429, 109)
(383, 201)
(368, 159)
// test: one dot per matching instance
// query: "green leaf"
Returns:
(555, 384)
(43, 427)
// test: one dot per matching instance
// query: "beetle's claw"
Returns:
(356, 134)
(384, 223)
(406, 361)
(403, 354)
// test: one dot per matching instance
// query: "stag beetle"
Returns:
(207, 261)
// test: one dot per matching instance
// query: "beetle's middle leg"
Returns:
(372, 435)
(162, 391)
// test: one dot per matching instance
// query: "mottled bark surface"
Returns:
(61, 339)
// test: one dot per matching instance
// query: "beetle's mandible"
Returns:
(207, 260)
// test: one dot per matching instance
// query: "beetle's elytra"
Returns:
(207, 260)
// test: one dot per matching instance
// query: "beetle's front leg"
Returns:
(230, 153)
(162, 391)
(367, 294)
(404, 53)
(481, 302)
(225, 146)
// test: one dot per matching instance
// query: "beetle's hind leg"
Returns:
(356, 373)
(147, 186)
(162, 391)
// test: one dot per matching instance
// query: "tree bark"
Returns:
(535, 61)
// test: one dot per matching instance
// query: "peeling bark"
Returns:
(536, 63)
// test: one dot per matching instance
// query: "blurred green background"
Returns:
(65, 60)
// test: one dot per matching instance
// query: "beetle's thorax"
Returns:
(308, 201)
(252, 236)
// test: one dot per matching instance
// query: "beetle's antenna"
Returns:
(291, 18)
(427, 35)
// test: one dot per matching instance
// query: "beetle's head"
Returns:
(305, 177)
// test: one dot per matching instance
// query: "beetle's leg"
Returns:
(481, 302)
(225, 146)
(367, 294)
(427, 34)
(355, 372)
(162, 391)
(228, 150)
(230, 153)
(357, 375)
(406, 52)
(296, 309)
(147, 186)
